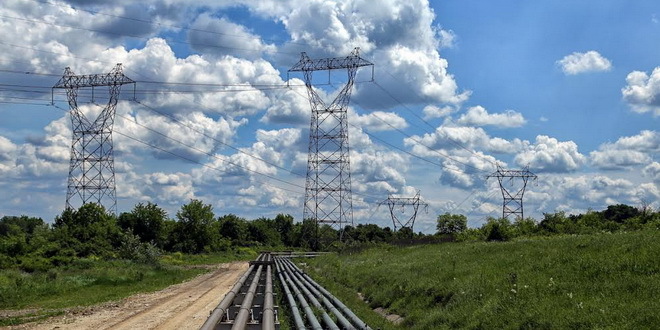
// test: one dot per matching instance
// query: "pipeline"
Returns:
(348, 320)
(221, 309)
(251, 299)
(300, 324)
(347, 311)
(268, 316)
(241, 319)
(309, 313)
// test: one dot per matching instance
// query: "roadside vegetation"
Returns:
(604, 280)
(87, 256)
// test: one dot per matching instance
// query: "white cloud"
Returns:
(550, 155)
(7, 148)
(462, 137)
(653, 171)
(289, 107)
(591, 61)
(576, 194)
(643, 91)
(480, 117)
(447, 38)
(468, 171)
(227, 38)
(627, 151)
(432, 111)
(380, 121)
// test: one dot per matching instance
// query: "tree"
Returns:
(90, 230)
(284, 225)
(145, 221)
(192, 232)
(620, 213)
(451, 224)
(233, 228)
(263, 231)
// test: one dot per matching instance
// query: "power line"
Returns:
(174, 119)
(136, 36)
(428, 124)
(195, 149)
(168, 25)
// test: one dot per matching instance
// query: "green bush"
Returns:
(498, 229)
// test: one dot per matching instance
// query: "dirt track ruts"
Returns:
(180, 306)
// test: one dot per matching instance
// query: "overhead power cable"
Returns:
(136, 36)
(170, 26)
(176, 120)
(195, 149)
(426, 122)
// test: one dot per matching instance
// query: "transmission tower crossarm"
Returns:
(113, 78)
(351, 61)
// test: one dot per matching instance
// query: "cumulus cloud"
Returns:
(548, 154)
(447, 38)
(591, 61)
(480, 117)
(7, 148)
(627, 151)
(643, 91)
(380, 121)
(652, 171)
(289, 107)
(432, 111)
(578, 193)
(221, 36)
(467, 170)
(462, 137)
(194, 135)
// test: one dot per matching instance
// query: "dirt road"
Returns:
(181, 306)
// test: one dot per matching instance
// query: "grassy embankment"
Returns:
(87, 282)
(590, 281)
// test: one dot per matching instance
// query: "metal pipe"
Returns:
(347, 311)
(345, 324)
(300, 324)
(309, 313)
(221, 309)
(268, 316)
(326, 318)
(240, 322)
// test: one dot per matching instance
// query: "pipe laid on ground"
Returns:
(240, 322)
(268, 316)
(309, 313)
(326, 318)
(347, 311)
(300, 325)
(224, 304)
(344, 323)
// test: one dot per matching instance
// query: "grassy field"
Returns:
(88, 282)
(591, 281)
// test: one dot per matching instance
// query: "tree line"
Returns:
(145, 232)
(619, 217)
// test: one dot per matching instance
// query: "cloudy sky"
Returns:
(570, 89)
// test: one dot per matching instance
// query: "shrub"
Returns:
(498, 229)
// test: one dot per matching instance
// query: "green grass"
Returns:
(88, 282)
(591, 281)
(180, 259)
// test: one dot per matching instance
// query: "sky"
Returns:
(569, 89)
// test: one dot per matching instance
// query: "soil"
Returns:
(181, 306)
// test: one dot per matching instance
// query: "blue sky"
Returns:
(566, 87)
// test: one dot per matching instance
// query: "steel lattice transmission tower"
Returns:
(513, 198)
(328, 186)
(91, 168)
(393, 202)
